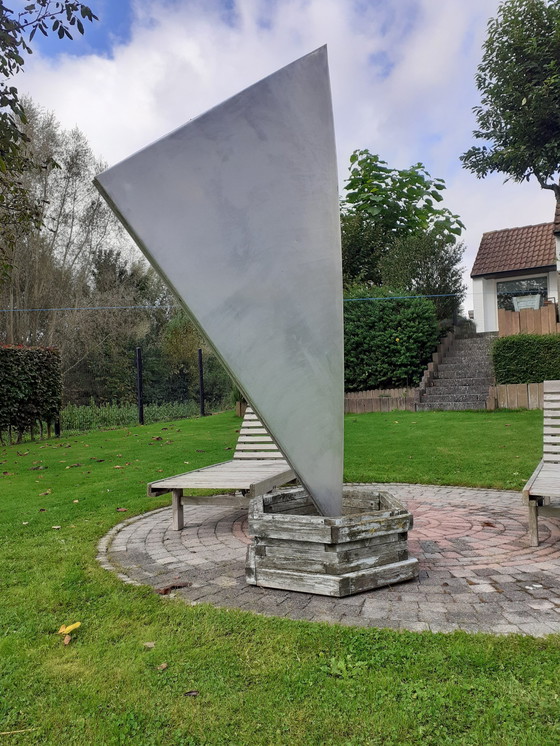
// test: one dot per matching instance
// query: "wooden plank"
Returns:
(552, 387)
(257, 455)
(528, 487)
(255, 439)
(267, 484)
(249, 431)
(502, 396)
(512, 395)
(524, 320)
(533, 395)
(541, 395)
(244, 446)
(502, 323)
(534, 321)
(522, 396)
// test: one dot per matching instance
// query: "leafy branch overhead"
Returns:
(519, 84)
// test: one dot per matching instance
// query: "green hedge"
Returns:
(527, 358)
(387, 343)
(30, 387)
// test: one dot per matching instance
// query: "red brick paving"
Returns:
(478, 571)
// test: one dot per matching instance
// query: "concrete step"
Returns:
(469, 369)
(450, 406)
(449, 396)
(444, 374)
(452, 393)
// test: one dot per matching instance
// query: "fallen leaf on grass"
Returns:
(192, 693)
(56, 527)
(7, 474)
(73, 466)
(42, 510)
(157, 437)
(37, 468)
(149, 645)
(122, 510)
(118, 467)
(47, 492)
(65, 630)
(25, 523)
(68, 639)
(75, 501)
(162, 666)
(173, 587)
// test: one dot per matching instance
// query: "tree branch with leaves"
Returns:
(519, 83)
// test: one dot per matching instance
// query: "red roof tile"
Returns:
(516, 248)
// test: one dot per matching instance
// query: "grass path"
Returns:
(233, 677)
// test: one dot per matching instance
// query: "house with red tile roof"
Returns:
(515, 268)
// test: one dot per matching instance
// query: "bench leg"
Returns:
(177, 521)
(533, 523)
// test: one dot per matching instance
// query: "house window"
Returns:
(518, 289)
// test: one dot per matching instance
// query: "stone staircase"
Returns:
(464, 376)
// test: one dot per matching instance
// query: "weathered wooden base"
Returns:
(294, 548)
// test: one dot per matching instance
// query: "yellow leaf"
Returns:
(71, 627)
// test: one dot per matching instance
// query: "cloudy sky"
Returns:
(402, 74)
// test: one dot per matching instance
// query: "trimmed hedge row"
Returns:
(527, 358)
(30, 387)
(387, 342)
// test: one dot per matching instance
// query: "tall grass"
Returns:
(105, 416)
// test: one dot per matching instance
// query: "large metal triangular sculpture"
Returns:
(238, 212)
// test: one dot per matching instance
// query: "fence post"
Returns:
(139, 386)
(201, 382)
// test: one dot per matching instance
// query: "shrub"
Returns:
(387, 342)
(527, 358)
(30, 387)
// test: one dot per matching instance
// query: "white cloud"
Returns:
(402, 79)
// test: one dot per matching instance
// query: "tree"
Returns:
(519, 83)
(363, 245)
(427, 264)
(383, 205)
(400, 202)
(18, 210)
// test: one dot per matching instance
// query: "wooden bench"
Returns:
(257, 468)
(544, 485)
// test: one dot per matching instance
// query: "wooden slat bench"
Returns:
(257, 468)
(544, 485)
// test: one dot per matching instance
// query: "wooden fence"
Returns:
(516, 396)
(528, 321)
(380, 400)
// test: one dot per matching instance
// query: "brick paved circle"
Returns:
(478, 572)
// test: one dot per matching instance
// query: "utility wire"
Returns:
(137, 308)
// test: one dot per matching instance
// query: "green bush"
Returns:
(30, 388)
(527, 358)
(387, 342)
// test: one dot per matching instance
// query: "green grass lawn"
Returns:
(256, 680)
